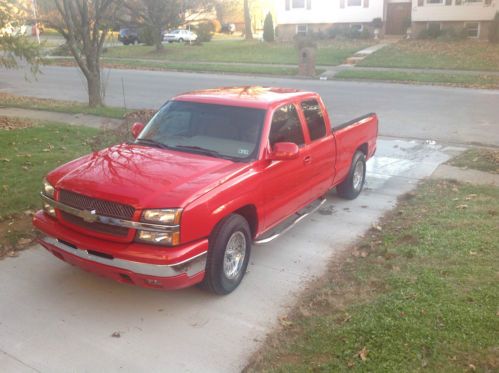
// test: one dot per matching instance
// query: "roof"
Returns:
(250, 96)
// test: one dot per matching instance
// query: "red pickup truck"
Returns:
(213, 172)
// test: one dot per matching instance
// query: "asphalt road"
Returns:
(58, 318)
(444, 114)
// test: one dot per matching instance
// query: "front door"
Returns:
(396, 14)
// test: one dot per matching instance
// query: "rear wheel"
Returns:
(228, 255)
(351, 187)
(180, 40)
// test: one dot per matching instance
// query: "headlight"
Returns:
(162, 216)
(48, 189)
(159, 238)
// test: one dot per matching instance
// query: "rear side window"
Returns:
(286, 126)
(314, 118)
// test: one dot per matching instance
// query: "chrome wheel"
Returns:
(358, 176)
(235, 252)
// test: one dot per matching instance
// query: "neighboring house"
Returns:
(473, 15)
(304, 16)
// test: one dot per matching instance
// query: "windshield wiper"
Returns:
(204, 151)
(151, 142)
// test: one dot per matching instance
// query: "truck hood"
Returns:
(145, 177)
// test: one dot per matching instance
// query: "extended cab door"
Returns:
(321, 147)
(285, 182)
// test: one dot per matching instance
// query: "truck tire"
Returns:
(351, 187)
(228, 255)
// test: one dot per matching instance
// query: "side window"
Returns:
(314, 118)
(286, 126)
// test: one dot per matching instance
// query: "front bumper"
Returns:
(133, 263)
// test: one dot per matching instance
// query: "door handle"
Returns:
(307, 160)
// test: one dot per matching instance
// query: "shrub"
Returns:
(451, 34)
(204, 32)
(146, 35)
(494, 30)
(268, 28)
(377, 23)
(348, 33)
(432, 32)
(217, 26)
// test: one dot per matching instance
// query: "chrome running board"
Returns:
(287, 224)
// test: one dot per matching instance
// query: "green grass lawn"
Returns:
(478, 159)
(27, 154)
(464, 80)
(463, 55)
(329, 53)
(418, 294)
(62, 106)
(201, 67)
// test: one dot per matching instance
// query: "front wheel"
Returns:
(351, 187)
(228, 255)
(180, 40)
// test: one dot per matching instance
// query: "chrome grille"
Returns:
(98, 227)
(106, 208)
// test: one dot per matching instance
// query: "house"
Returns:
(475, 16)
(305, 16)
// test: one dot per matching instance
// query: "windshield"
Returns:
(222, 131)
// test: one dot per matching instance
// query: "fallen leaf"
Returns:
(25, 168)
(461, 207)
(5, 159)
(350, 364)
(284, 321)
(23, 242)
(116, 335)
(377, 227)
(12, 254)
(454, 189)
(472, 252)
(363, 353)
(472, 367)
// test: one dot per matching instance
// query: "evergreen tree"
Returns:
(268, 28)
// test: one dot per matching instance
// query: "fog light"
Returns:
(49, 209)
(159, 238)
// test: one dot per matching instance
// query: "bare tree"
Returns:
(85, 24)
(248, 34)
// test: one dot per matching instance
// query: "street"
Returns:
(444, 114)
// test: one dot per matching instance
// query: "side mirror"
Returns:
(137, 128)
(283, 151)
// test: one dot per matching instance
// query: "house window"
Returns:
(301, 30)
(472, 29)
(357, 27)
(473, 1)
(435, 2)
(298, 4)
(354, 2)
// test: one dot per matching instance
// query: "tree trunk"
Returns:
(248, 34)
(94, 90)
(157, 38)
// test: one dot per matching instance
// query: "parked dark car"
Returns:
(228, 28)
(128, 36)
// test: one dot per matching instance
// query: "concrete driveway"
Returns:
(57, 318)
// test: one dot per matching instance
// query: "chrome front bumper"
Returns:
(191, 266)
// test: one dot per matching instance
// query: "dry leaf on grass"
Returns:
(363, 353)
(461, 207)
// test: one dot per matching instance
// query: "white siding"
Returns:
(329, 11)
(464, 12)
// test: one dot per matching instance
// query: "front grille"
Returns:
(106, 208)
(98, 227)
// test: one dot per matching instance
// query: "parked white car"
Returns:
(179, 36)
